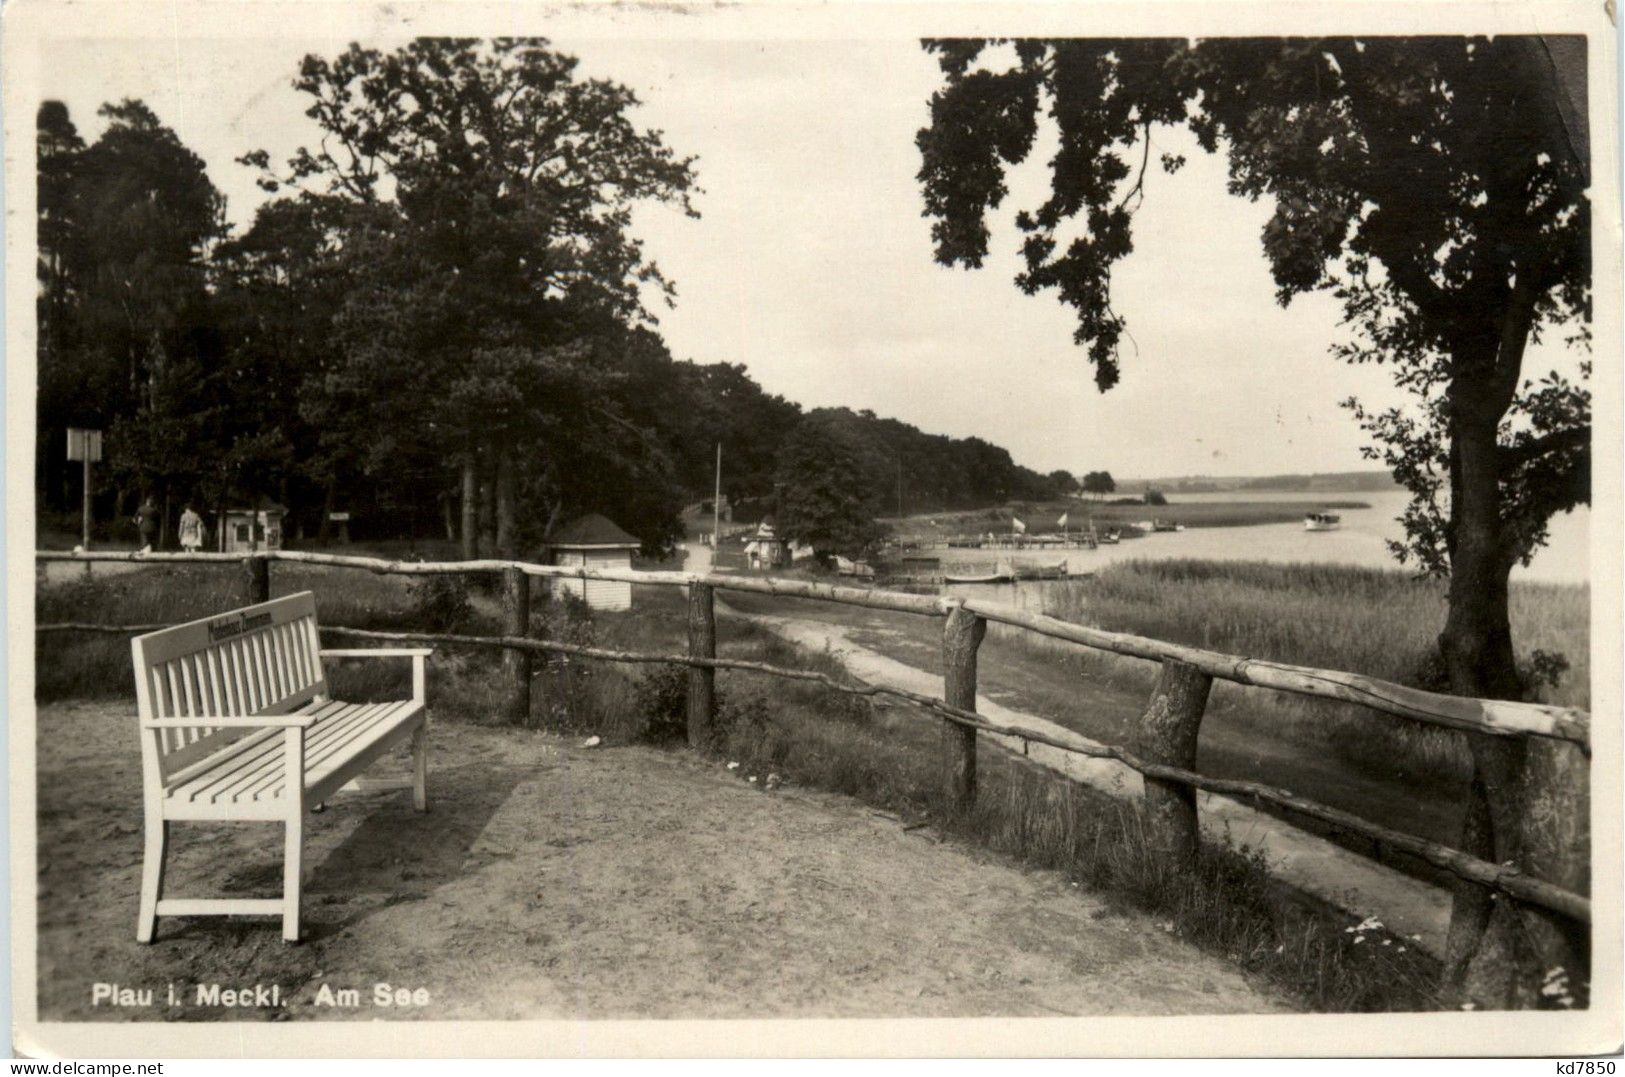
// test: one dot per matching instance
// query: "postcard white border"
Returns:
(28, 23)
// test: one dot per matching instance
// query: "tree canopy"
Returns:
(1436, 186)
(822, 499)
(1099, 482)
(441, 304)
(492, 194)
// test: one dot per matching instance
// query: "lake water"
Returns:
(1362, 540)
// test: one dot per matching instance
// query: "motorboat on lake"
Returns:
(1322, 521)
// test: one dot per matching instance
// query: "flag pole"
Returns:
(716, 505)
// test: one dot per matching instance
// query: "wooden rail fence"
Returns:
(1556, 740)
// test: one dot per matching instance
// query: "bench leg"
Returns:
(293, 852)
(420, 767)
(292, 860)
(152, 876)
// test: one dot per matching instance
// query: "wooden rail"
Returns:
(1538, 788)
(1494, 717)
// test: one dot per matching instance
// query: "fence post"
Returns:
(1167, 734)
(702, 682)
(258, 576)
(515, 662)
(1530, 806)
(961, 636)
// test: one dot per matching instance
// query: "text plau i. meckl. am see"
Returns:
(380, 995)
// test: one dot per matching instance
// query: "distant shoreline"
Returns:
(1242, 512)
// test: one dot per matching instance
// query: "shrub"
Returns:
(854, 710)
(566, 694)
(1540, 673)
(743, 716)
(662, 698)
(441, 603)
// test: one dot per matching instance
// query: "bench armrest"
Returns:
(269, 721)
(420, 691)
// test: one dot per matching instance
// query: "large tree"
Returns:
(1437, 187)
(126, 228)
(822, 499)
(496, 191)
(278, 288)
(62, 379)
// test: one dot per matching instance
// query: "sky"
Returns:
(811, 263)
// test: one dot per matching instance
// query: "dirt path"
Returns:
(1332, 873)
(556, 881)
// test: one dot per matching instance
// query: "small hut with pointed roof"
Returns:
(593, 541)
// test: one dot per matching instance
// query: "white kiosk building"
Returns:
(593, 542)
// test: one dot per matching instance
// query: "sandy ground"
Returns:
(551, 880)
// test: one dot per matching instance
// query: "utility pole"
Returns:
(899, 487)
(716, 505)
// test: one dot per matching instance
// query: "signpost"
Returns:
(85, 445)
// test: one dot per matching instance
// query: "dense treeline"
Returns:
(435, 323)
(903, 468)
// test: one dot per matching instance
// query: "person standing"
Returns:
(191, 530)
(146, 522)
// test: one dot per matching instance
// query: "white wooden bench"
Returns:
(235, 724)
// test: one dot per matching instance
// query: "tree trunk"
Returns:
(471, 508)
(1528, 797)
(220, 510)
(505, 484)
(487, 503)
(329, 504)
(287, 503)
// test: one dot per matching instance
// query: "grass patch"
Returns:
(97, 666)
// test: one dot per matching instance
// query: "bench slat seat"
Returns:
(252, 770)
(236, 725)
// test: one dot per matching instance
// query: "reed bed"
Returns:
(1378, 622)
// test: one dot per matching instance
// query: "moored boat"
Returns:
(991, 577)
(1322, 521)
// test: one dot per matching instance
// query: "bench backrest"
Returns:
(262, 659)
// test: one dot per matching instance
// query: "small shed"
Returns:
(765, 549)
(593, 541)
(247, 529)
